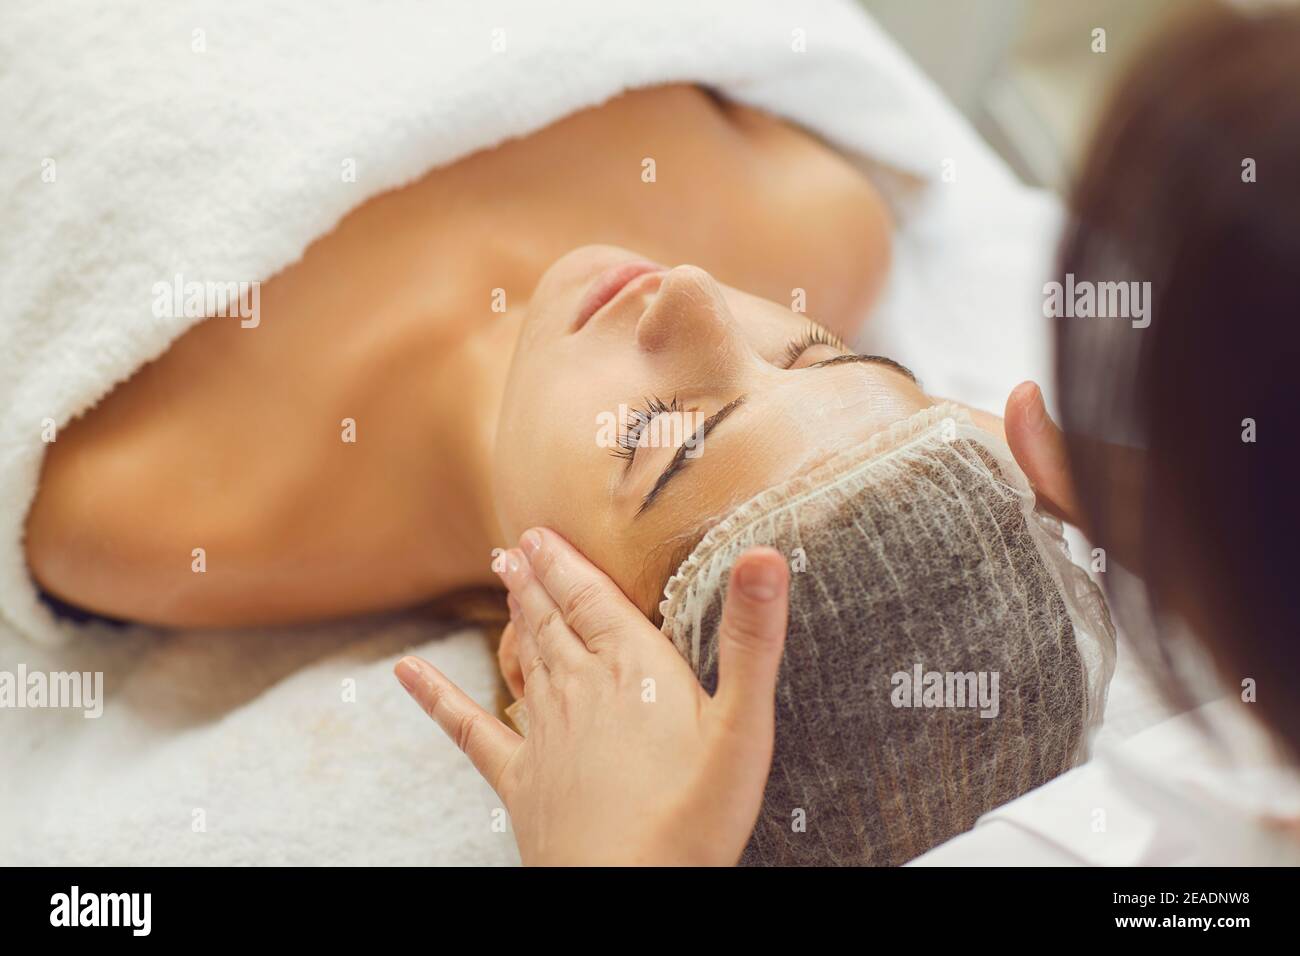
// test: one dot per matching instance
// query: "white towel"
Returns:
(145, 140)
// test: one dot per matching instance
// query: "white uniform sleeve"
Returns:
(1169, 796)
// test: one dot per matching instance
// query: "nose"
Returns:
(689, 316)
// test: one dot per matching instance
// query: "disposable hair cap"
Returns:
(944, 653)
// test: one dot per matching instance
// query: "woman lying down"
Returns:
(944, 655)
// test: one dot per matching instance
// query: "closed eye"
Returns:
(803, 344)
(813, 336)
(816, 335)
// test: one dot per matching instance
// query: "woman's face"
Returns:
(645, 402)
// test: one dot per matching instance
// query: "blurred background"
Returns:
(1024, 71)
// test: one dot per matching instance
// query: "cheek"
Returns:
(520, 464)
(548, 469)
(523, 471)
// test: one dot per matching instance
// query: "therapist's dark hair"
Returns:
(1183, 435)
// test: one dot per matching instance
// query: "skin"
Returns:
(1039, 448)
(231, 441)
(676, 333)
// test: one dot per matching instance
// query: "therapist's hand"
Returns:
(627, 759)
(1039, 448)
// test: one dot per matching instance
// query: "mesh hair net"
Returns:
(944, 654)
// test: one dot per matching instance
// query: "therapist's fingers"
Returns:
(508, 656)
(1039, 448)
(593, 606)
(556, 643)
(533, 675)
(751, 639)
(488, 743)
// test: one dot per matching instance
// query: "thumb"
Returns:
(1039, 448)
(750, 642)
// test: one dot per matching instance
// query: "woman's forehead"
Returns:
(767, 443)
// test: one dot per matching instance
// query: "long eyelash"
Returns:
(637, 420)
(813, 335)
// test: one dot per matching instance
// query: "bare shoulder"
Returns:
(825, 215)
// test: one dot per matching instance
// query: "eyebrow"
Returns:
(870, 360)
(679, 458)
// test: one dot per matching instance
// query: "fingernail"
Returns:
(758, 580)
(1036, 413)
(407, 673)
(531, 542)
(515, 574)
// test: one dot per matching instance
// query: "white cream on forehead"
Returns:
(855, 397)
(856, 391)
(788, 426)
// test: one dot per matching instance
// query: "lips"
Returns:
(609, 284)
